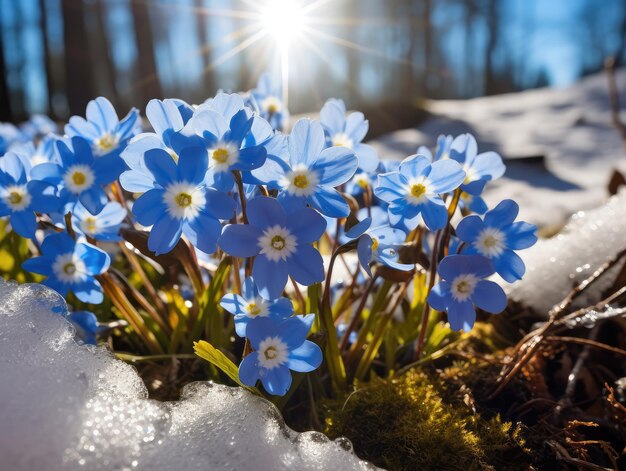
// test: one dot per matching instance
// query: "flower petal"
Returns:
(150, 207)
(336, 165)
(306, 224)
(241, 240)
(329, 202)
(193, 163)
(307, 357)
(489, 297)
(249, 369)
(510, 266)
(265, 212)
(277, 381)
(271, 277)
(306, 141)
(306, 266)
(164, 235)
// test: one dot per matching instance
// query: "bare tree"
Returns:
(78, 63)
(148, 86)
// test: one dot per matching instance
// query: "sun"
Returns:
(285, 20)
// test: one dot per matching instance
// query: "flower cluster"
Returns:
(214, 194)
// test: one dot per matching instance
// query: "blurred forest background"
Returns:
(55, 55)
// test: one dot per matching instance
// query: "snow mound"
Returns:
(64, 406)
(554, 266)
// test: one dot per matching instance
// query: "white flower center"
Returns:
(271, 105)
(343, 140)
(222, 156)
(490, 242)
(257, 308)
(301, 181)
(273, 352)
(79, 178)
(89, 225)
(416, 191)
(463, 286)
(184, 200)
(277, 243)
(69, 268)
(105, 144)
(16, 197)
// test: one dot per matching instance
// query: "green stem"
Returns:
(336, 367)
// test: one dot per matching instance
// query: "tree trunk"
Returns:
(5, 103)
(148, 85)
(79, 77)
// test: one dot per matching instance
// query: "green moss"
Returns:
(405, 424)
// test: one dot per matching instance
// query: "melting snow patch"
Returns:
(65, 406)
(556, 265)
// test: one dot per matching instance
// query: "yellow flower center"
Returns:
(374, 244)
(15, 197)
(183, 200)
(362, 182)
(69, 268)
(253, 309)
(301, 181)
(220, 155)
(106, 142)
(278, 243)
(272, 108)
(90, 224)
(418, 190)
(270, 353)
(79, 178)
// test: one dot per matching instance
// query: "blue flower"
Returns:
(279, 346)
(378, 244)
(21, 197)
(462, 287)
(265, 99)
(311, 172)
(251, 305)
(80, 176)
(45, 152)
(173, 133)
(233, 137)
(348, 131)
(104, 226)
(38, 125)
(104, 131)
(479, 168)
(87, 326)
(414, 190)
(180, 201)
(280, 241)
(497, 236)
(473, 203)
(442, 151)
(9, 135)
(70, 266)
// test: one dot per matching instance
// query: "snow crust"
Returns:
(554, 266)
(569, 127)
(65, 406)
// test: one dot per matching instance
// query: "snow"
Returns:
(554, 266)
(570, 128)
(65, 406)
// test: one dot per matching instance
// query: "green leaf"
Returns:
(208, 352)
